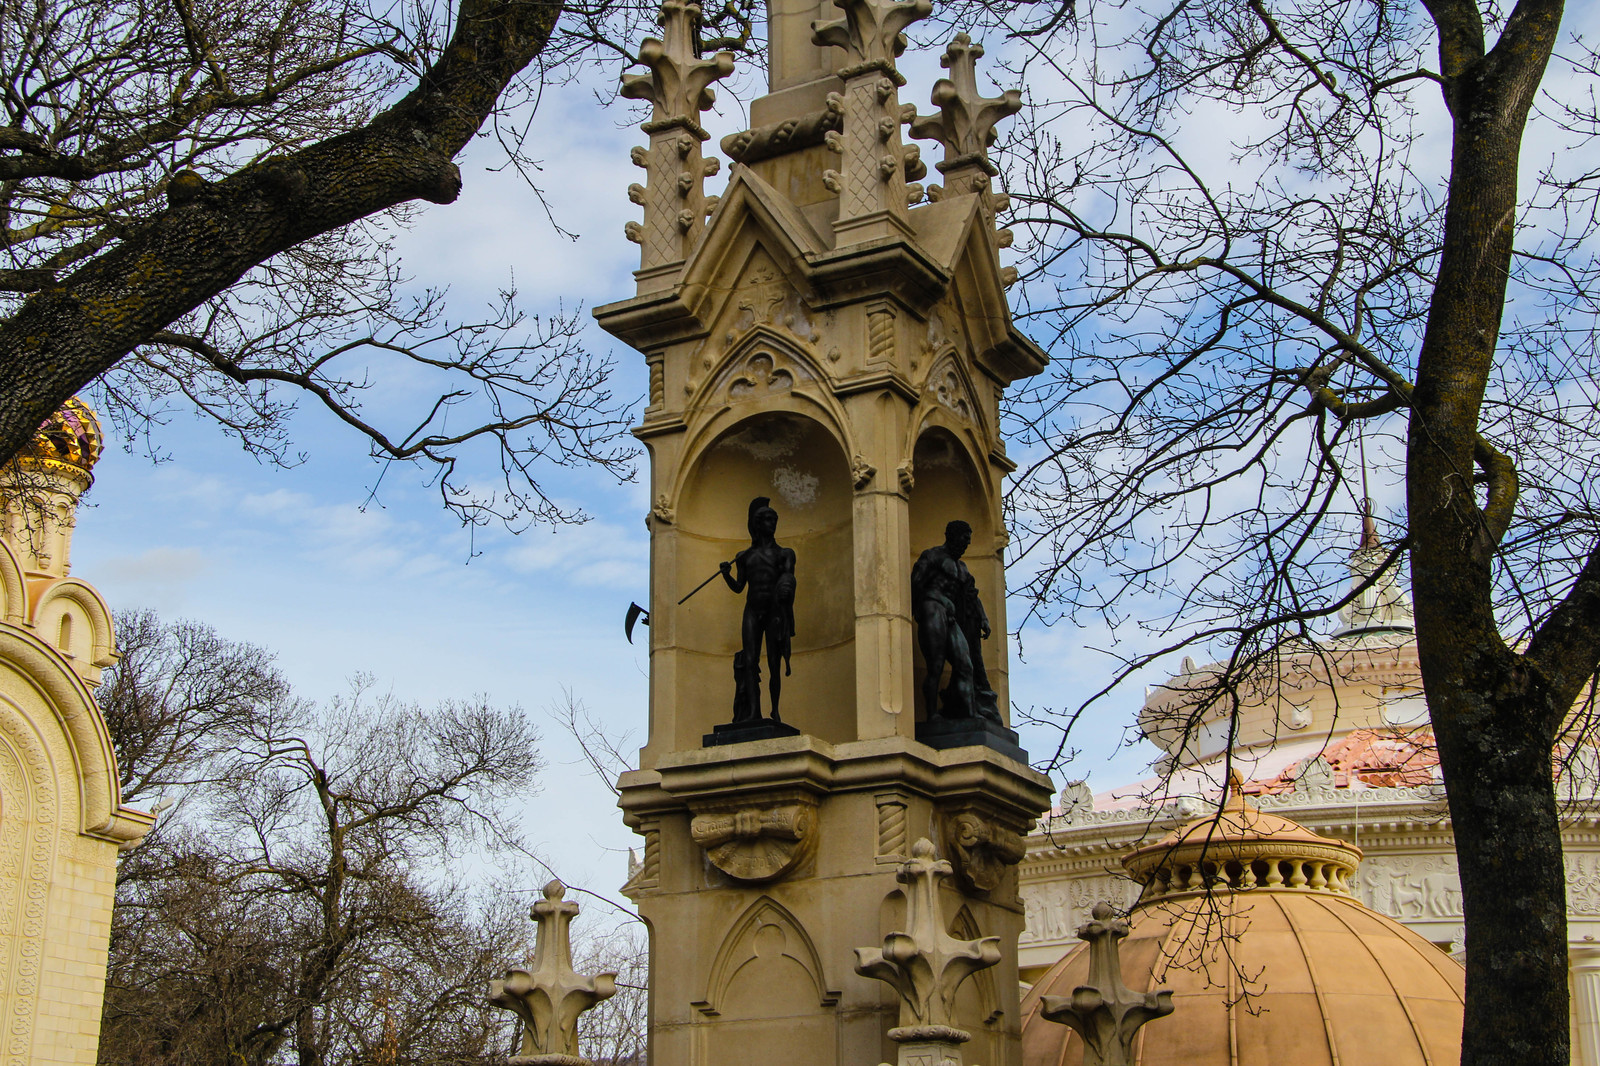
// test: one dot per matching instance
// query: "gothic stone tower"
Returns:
(822, 336)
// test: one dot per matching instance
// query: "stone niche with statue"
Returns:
(832, 337)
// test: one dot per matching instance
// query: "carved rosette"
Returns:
(756, 842)
(982, 847)
(679, 88)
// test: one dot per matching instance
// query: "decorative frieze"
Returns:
(756, 843)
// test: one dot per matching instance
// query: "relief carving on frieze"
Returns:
(756, 842)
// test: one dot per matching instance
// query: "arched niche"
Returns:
(798, 463)
(946, 486)
(977, 999)
(769, 993)
(71, 617)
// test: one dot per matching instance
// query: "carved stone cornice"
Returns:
(793, 767)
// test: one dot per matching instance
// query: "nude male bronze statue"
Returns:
(951, 626)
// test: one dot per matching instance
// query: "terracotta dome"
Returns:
(1248, 919)
(72, 436)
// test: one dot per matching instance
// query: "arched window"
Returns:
(64, 639)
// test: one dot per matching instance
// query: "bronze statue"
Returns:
(766, 568)
(951, 626)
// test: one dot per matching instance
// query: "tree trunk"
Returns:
(1494, 712)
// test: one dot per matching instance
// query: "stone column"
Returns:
(1583, 961)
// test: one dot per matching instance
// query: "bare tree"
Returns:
(197, 205)
(1284, 247)
(179, 698)
(307, 900)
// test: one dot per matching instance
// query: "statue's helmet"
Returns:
(757, 505)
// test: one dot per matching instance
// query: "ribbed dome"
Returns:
(72, 436)
(1248, 919)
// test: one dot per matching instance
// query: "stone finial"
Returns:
(673, 195)
(679, 82)
(926, 964)
(550, 998)
(871, 33)
(1106, 1013)
(965, 122)
(874, 165)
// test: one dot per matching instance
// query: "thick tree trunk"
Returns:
(65, 336)
(1508, 845)
(1495, 712)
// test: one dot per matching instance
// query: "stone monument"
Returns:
(832, 336)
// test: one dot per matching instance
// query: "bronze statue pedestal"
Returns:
(739, 732)
(961, 732)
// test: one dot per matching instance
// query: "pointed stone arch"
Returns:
(965, 927)
(748, 939)
(949, 384)
(790, 368)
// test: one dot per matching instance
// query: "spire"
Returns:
(1106, 1013)
(673, 196)
(550, 998)
(1382, 604)
(1369, 528)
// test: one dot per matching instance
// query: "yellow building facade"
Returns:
(62, 822)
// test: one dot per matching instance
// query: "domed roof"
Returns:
(72, 436)
(1249, 920)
